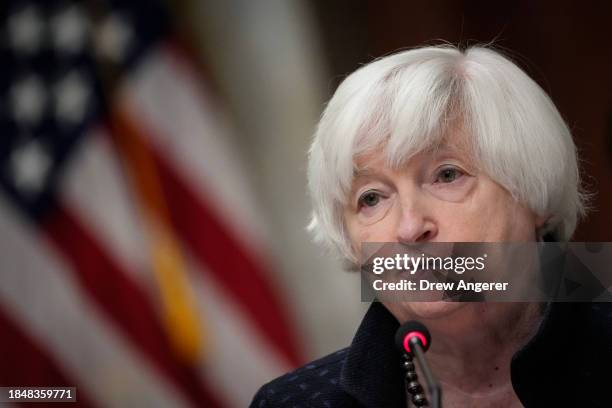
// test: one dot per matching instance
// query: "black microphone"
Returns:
(413, 339)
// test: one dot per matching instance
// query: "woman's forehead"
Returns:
(453, 145)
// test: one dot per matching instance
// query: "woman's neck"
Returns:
(472, 349)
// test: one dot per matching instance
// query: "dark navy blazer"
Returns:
(552, 370)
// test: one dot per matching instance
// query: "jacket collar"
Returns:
(548, 370)
(372, 372)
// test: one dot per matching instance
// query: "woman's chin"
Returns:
(404, 311)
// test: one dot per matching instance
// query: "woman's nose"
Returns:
(416, 224)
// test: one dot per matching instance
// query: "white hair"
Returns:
(406, 102)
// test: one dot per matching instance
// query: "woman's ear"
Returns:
(541, 220)
(540, 223)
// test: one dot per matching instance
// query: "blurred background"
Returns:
(152, 178)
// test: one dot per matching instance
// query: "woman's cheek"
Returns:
(383, 230)
(364, 234)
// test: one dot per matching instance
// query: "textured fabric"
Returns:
(314, 385)
(568, 363)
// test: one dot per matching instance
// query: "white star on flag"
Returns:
(25, 29)
(114, 38)
(29, 165)
(28, 99)
(71, 98)
(69, 29)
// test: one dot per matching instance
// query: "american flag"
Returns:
(132, 261)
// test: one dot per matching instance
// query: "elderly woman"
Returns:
(437, 144)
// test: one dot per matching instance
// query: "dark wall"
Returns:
(564, 45)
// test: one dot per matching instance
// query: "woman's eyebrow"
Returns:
(362, 172)
(456, 145)
(362, 176)
(444, 148)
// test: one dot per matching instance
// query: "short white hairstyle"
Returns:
(406, 102)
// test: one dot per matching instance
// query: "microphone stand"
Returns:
(432, 385)
(413, 339)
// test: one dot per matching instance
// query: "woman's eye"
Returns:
(448, 175)
(369, 199)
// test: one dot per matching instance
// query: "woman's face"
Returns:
(437, 196)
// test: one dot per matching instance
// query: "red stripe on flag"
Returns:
(235, 268)
(26, 364)
(122, 300)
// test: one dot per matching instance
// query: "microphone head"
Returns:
(409, 330)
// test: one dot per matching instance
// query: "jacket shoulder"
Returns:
(316, 384)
